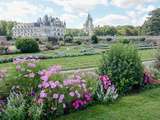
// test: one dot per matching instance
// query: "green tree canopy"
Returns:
(152, 25)
(105, 30)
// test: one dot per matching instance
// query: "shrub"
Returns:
(78, 42)
(109, 39)
(94, 39)
(123, 66)
(27, 74)
(15, 108)
(27, 45)
(124, 41)
(68, 38)
(58, 95)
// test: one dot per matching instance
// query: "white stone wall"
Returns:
(55, 29)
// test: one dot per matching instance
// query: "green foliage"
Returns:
(124, 41)
(94, 39)
(68, 38)
(15, 108)
(78, 42)
(123, 66)
(127, 30)
(6, 28)
(35, 111)
(152, 24)
(105, 30)
(103, 96)
(27, 45)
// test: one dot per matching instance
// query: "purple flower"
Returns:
(72, 94)
(43, 94)
(31, 65)
(52, 84)
(44, 78)
(55, 96)
(61, 98)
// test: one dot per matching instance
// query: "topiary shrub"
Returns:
(94, 39)
(123, 66)
(124, 41)
(27, 45)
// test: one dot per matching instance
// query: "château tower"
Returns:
(88, 25)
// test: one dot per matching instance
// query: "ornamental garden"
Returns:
(80, 79)
(38, 84)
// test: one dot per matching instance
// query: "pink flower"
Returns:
(40, 101)
(43, 94)
(45, 84)
(52, 84)
(61, 98)
(44, 78)
(72, 94)
(55, 96)
(31, 65)
(31, 75)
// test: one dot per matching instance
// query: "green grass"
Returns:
(143, 106)
(67, 63)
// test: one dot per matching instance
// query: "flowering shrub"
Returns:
(27, 74)
(123, 65)
(106, 91)
(59, 96)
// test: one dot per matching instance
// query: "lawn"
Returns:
(142, 106)
(68, 63)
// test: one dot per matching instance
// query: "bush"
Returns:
(124, 41)
(109, 39)
(15, 108)
(123, 66)
(27, 45)
(78, 42)
(68, 38)
(94, 39)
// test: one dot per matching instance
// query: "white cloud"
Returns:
(131, 18)
(22, 11)
(112, 19)
(130, 3)
(69, 17)
(77, 6)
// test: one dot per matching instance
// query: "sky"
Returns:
(74, 12)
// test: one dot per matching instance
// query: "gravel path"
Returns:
(145, 63)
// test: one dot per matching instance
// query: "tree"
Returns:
(6, 28)
(152, 25)
(127, 30)
(94, 39)
(105, 30)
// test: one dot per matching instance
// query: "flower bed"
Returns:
(42, 57)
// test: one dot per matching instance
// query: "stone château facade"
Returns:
(88, 26)
(44, 27)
